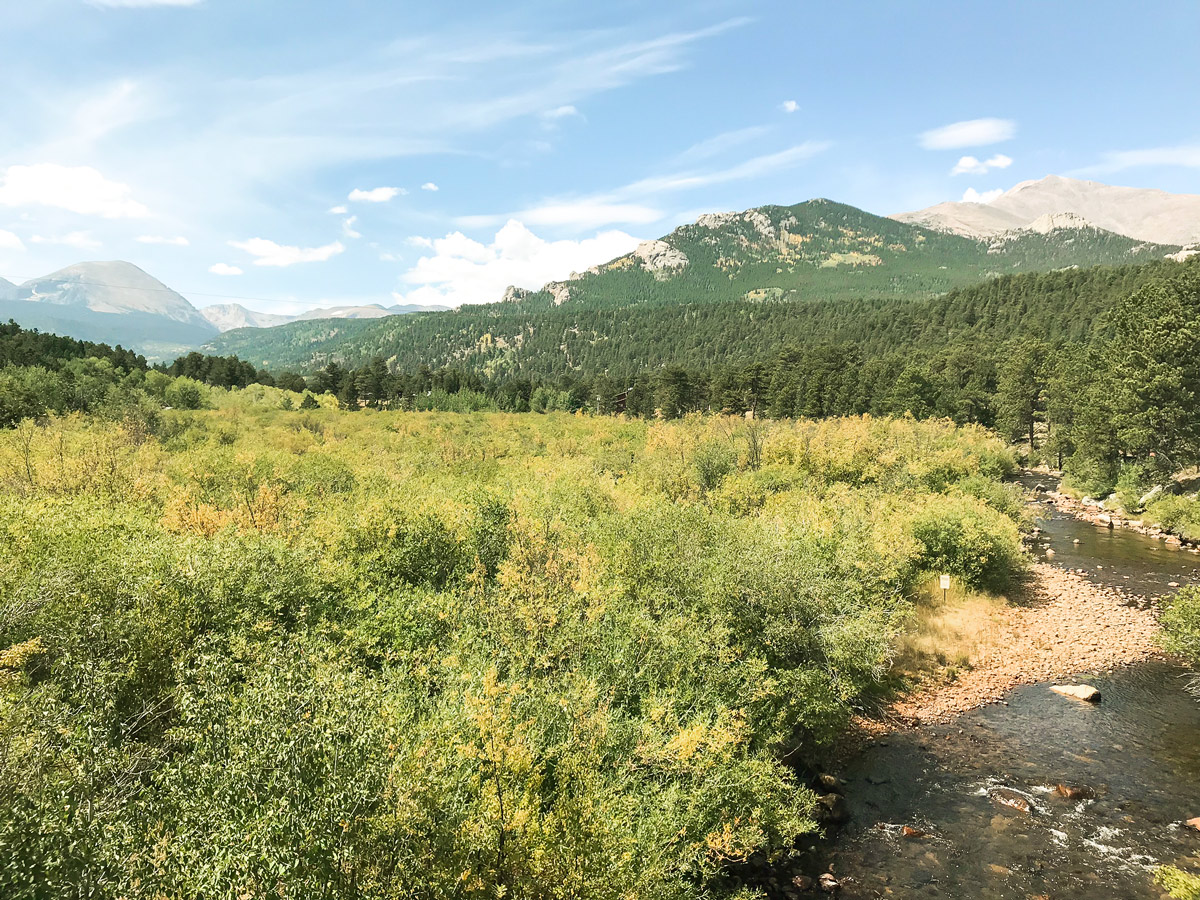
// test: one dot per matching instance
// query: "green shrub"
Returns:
(1086, 477)
(1181, 623)
(962, 537)
(1177, 883)
(1177, 514)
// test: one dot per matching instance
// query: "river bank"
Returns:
(1093, 511)
(1061, 625)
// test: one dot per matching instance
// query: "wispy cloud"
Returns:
(270, 253)
(789, 106)
(628, 204)
(721, 143)
(80, 240)
(348, 228)
(140, 4)
(969, 165)
(224, 269)
(578, 214)
(971, 133)
(78, 189)
(159, 239)
(1183, 155)
(429, 186)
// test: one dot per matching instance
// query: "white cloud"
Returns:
(972, 133)
(789, 106)
(78, 189)
(158, 239)
(970, 195)
(969, 165)
(270, 253)
(1186, 156)
(224, 269)
(375, 195)
(348, 228)
(461, 270)
(429, 186)
(418, 241)
(9, 241)
(140, 4)
(338, 210)
(80, 240)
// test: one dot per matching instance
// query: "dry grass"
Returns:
(950, 637)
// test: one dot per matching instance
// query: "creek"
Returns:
(1138, 751)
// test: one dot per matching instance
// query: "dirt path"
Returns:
(1063, 628)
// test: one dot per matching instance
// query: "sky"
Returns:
(289, 154)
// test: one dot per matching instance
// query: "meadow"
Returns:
(251, 651)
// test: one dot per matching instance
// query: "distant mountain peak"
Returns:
(1144, 214)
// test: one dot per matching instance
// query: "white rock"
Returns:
(659, 256)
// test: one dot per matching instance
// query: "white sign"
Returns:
(945, 582)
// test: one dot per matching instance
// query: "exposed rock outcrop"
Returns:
(660, 257)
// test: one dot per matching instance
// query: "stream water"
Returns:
(1138, 750)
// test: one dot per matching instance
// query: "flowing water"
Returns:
(1138, 751)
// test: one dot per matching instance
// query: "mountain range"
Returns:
(228, 316)
(818, 250)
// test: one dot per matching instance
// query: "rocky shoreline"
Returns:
(1062, 625)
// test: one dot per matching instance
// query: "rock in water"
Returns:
(1075, 792)
(828, 883)
(1011, 799)
(1079, 691)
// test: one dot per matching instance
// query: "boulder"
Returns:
(1079, 691)
(1105, 520)
(1149, 495)
(802, 883)
(1193, 823)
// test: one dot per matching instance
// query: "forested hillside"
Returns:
(731, 283)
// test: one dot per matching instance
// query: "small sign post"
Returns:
(945, 579)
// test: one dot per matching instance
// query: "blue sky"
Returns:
(291, 154)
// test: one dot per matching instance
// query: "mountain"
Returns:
(709, 285)
(110, 302)
(1143, 214)
(227, 316)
